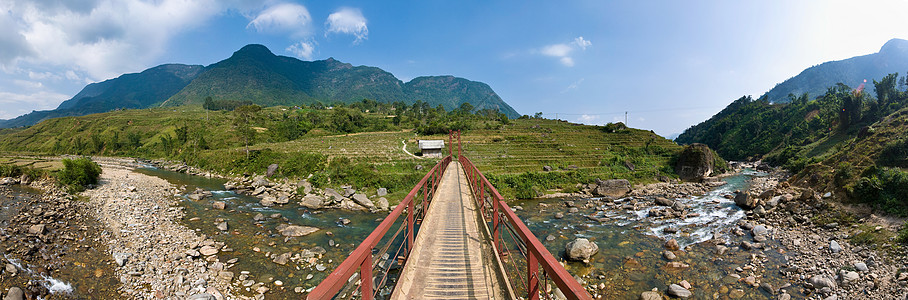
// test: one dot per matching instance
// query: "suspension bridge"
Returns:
(454, 238)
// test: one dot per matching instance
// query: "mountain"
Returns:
(892, 58)
(256, 74)
(135, 90)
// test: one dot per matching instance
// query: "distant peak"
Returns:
(254, 50)
(895, 45)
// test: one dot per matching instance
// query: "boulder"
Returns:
(616, 188)
(835, 247)
(268, 201)
(361, 199)
(678, 291)
(219, 205)
(272, 168)
(650, 295)
(662, 201)
(821, 281)
(381, 192)
(581, 249)
(313, 201)
(222, 226)
(672, 245)
(284, 199)
(202, 296)
(36, 229)
(745, 200)
(759, 230)
(695, 162)
(208, 250)
(261, 182)
(332, 196)
(296, 230)
(546, 168)
(305, 185)
(282, 259)
(15, 293)
(383, 203)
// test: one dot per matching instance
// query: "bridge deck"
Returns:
(451, 259)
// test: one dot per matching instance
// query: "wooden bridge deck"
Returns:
(452, 258)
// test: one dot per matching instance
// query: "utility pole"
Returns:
(625, 118)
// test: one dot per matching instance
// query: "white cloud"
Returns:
(24, 103)
(302, 50)
(348, 21)
(563, 51)
(588, 119)
(285, 18)
(27, 84)
(101, 39)
(582, 43)
(573, 86)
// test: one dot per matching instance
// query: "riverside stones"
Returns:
(313, 201)
(650, 295)
(835, 247)
(581, 249)
(272, 168)
(745, 200)
(382, 203)
(672, 245)
(361, 199)
(822, 281)
(15, 293)
(295, 230)
(616, 188)
(381, 192)
(675, 290)
(208, 250)
(219, 205)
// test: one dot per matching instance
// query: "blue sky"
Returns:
(669, 64)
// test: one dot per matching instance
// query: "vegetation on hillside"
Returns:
(848, 140)
(359, 143)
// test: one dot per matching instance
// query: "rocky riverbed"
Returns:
(668, 240)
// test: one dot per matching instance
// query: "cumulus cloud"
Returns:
(20, 104)
(348, 21)
(285, 18)
(302, 50)
(98, 38)
(563, 51)
(588, 119)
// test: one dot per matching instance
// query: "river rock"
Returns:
(678, 291)
(835, 247)
(219, 205)
(695, 162)
(36, 229)
(222, 226)
(361, 199)
(662, 201)
(331, 195)
(559, 215)
(208, 250)
(283, 199)
(15, 293)
(312, 201)
(672, 245)
(821, 281)
(261, 182)
(860, 266)
(745, 200)
(849, 276)
(383, 203)
(650, 295)
(268, 201)
(202, 296)
(381, 192)
(11, 269)
(581, 249)
(616, 188)
(305, 185)
(272, 168)
(296, 230)
(258, 217)
(282, 259)
(759, 230)
(669, 255)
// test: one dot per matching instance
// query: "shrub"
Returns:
(77, 173)
(895, 154)
(902, 236)
(885, 188)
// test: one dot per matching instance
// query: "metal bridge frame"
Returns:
(491, 205)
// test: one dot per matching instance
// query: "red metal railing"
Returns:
(503, 219)
(369, 264)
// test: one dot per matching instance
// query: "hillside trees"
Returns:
(244, 116)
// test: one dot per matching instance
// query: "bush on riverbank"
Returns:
(11, 170)
(885, 188)
(78, 173)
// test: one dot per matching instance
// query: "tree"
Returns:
(244, 117)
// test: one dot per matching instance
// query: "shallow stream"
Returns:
(630, 244)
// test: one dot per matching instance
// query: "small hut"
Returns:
(431, 148)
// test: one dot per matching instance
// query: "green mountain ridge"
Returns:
(892, 58)
(254, 73)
